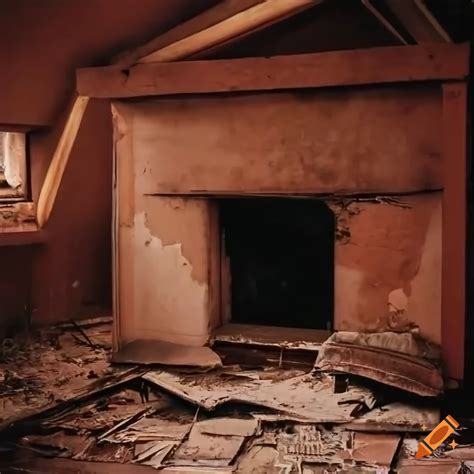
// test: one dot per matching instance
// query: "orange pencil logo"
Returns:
(436, 437)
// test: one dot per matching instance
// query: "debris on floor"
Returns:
(302, 396)
(285, 338)
(166, 353)
(308, 445)
(395, 359)
(49, 367)
(407, 464)
(206, 415)
(397, 417)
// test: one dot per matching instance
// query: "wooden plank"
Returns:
(340, 68)
(420, 4)
(282, 337)
(50, 187)
(418, 21)
(204, 20)
(454, 227)
(29, 237)
(381, 18)
(235, 26)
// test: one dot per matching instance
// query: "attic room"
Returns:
(235, 236)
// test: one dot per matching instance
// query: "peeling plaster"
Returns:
(388, 275)
(176, 220)
(171, 305)
(397, 300)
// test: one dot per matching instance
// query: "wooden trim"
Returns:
(454, 136)
(32, 236)
(21, 128)
(340, 68)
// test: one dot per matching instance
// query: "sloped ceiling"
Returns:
(42, 42)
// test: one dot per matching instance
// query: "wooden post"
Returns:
(454, 136)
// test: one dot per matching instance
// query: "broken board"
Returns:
(302, 396)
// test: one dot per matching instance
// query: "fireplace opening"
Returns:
(281, 261)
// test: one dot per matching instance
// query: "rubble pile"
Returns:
(199, 413)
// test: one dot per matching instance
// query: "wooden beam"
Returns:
(204, 20)
(243, 23)
(226, 21)
(418, 21)
(341, 68)
(420, 4)
(383, 21)
(58, 163)
(454, 139)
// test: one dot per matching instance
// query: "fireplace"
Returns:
(313, 209)
(272, 245)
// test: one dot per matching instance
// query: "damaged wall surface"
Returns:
(388, 264)
(358, 140)
(383, 140)
(170, 300)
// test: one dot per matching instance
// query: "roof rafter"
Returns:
(418, 21)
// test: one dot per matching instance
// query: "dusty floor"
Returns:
(43, 369)
(65, 409)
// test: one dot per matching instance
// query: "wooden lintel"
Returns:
(434, 62)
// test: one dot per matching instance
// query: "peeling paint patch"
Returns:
(397, 301)
(388, 273)
(184, 222)
(170, 304)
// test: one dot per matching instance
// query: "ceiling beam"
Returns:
(383, 20)
(337, 68)
(58, 163)
(204, 20)
(227, 21)
(418, 21)
(234, 27)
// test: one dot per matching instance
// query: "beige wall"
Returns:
(362, 140)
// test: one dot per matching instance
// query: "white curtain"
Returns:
(14, 158)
